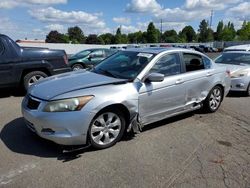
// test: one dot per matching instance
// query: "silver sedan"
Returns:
(125, 92)
(238, 62)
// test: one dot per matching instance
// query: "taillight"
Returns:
(65, 58)
(228, 73)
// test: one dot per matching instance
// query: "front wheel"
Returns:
(106, 129)
(32, 78)
(77, 67)
(213, 100)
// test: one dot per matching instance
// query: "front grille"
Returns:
(33, 104)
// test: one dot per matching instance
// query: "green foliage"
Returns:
(205, 33)
(170, 36)
(244, 32)
(93, 39)
(188, 34)
(76, 35)
(107, 38)
(56, 37)
(152, 34)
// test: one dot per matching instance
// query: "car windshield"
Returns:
(82, 54)
(124, 64)
(234, 59)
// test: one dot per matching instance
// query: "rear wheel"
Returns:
(77, 67)
(32, 78)
(214, 99)
(106, 129)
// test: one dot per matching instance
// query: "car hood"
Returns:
(234, 68)
(53, 86)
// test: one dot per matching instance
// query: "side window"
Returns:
(193, 62)
(207, 63)
(1, 48)
(168, 65)
(97, 54)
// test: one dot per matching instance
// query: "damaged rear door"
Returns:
(198, 78)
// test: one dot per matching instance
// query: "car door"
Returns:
(159, 99)
(197, 78)
(96, 56)
(6, 65)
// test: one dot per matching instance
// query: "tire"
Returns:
(213, 100)
(33, 77)
(248, 90)
(106, 129)
(77, 67)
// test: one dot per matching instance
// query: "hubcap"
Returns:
(77, 67)
(215, 99)
(34, 79)
(105, 128)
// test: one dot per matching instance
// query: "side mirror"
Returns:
(155, 77)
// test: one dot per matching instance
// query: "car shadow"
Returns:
(19, 139)
(233, 94)
(8, 92)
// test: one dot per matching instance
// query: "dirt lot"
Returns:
(192, 150)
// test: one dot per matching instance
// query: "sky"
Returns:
(33, 19)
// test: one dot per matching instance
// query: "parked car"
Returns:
(238, 62)
(244, 47)
(198, 49)
(89, 58)
(22, 66)
(125, 92)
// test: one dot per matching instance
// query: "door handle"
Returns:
(179, 81)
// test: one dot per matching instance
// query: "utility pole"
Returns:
(211, 19)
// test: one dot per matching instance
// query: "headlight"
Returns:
(238, 74)
(67, 105)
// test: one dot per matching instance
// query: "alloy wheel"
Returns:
(106, 128)
(215, 99)
(34, 79)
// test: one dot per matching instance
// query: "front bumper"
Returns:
(239, 84)
(64, 128)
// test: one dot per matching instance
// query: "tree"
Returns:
(56, 37)
(189, 33)
(170, 36)
(152, 34)
(218, 35)
(93, 39)
(244, 32)
(108, 38)
(206, 34)
(118, 36)
(228, 32)
(76, 35)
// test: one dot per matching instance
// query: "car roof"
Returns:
(157, 50)
(245, 47)
(236, 51)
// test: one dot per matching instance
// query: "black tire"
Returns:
(28, 78)
(77, 66)
(213, 100)
(98, 133)
(248, 90)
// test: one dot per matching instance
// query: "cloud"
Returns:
(58, 27)
(240, 12)
(122, 20)
(53, 15)
(208, 4)
(9, 4)
(142, 6)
